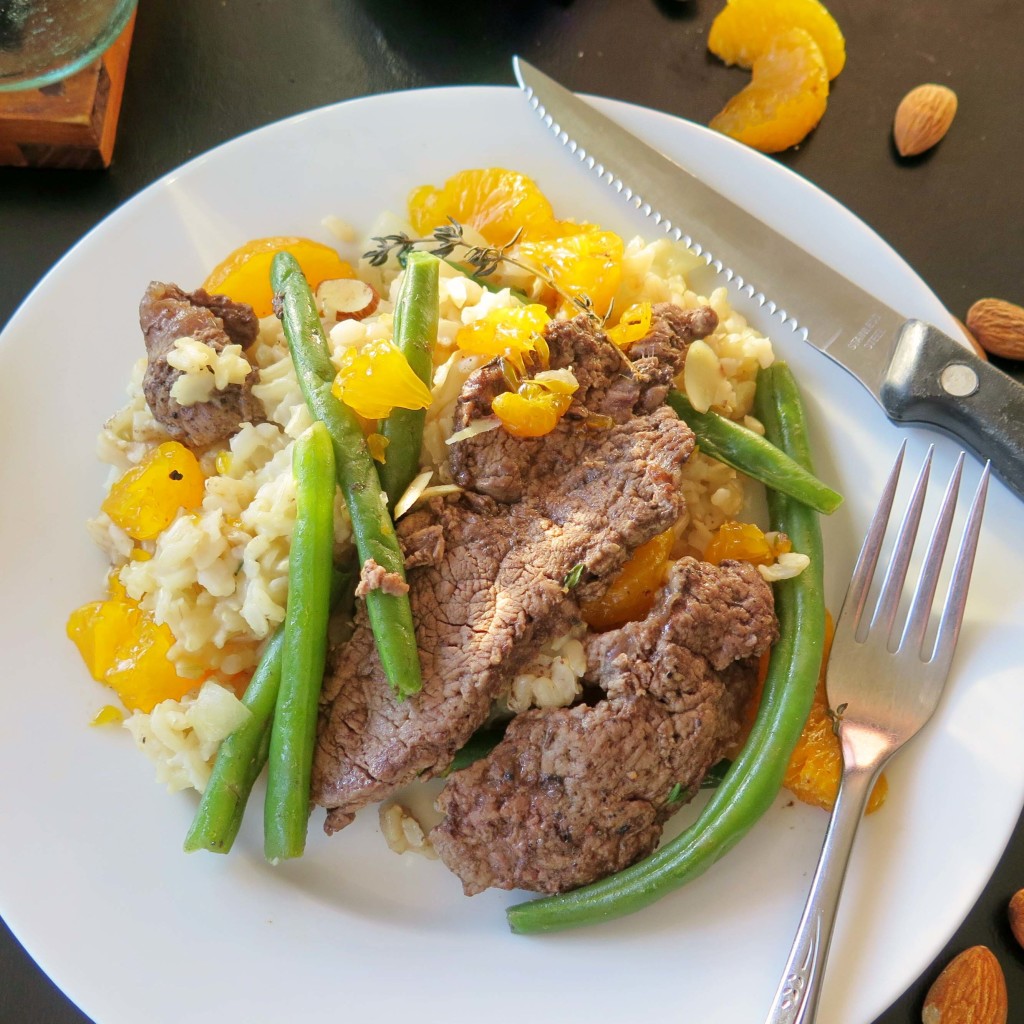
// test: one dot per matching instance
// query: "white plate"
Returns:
(92, 879)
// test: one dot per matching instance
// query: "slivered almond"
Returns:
(346, 298)
(702, 374)
(971, 989)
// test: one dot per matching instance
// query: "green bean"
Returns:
(304, 649)
(242, 755)
(390, 614)
(758, 458)
(239, 761)
(755, 777)
(415, 333)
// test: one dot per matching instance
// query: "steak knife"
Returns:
(916, 372)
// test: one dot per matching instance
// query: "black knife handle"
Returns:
(932, 379)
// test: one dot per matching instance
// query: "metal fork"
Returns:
(882, 693)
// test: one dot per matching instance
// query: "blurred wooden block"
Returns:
(71, 123)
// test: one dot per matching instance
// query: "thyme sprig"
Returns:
(484, 260)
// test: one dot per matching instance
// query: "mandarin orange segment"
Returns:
(817, 761)
(98, 629)
(144, 675)
(785, 99)
(584, 265)
(533, 411)
(377, 378)
(494, 201)
(746, 28)
(147, 498)
(244, 275)
(513, 332)
(745, 542)
(632, 593)
(634, 324)
(123, 646)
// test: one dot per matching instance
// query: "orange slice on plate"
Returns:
(492, 200)
(785, 99)
(747, 28)
(244, 275)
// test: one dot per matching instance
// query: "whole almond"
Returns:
(971, 990)
(923, 118)
(1016, 914)
(998, 326)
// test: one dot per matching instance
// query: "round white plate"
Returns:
(92, 877)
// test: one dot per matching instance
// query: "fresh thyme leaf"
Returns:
(572, 577)
(483, 259)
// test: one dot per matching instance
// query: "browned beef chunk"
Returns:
(168, 313)
(611, 386)
(486, 579)
(571, 795)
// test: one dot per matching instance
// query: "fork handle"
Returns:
(796, 1001)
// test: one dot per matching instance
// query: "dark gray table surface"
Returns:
(204, 71)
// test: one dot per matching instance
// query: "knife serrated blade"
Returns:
(915, 371)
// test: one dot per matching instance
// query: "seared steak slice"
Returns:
(495, 596)
(611, 387)
(487, 583)
(168, 313)
(571, 795)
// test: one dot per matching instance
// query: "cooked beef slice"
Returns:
(494, 598)
(168, 313)
(571, 795)
(610, 386)
(486, 578)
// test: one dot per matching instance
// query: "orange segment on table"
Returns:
(244, 275)
(785, 99)
(745, 29)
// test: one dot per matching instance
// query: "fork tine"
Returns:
(899, 561)
(921, 605)
(956, 598)
(864, 571)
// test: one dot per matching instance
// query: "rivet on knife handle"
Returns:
(932, 379)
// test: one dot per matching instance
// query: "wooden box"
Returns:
(70, 123)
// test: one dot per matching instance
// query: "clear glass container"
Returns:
(42, 41)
